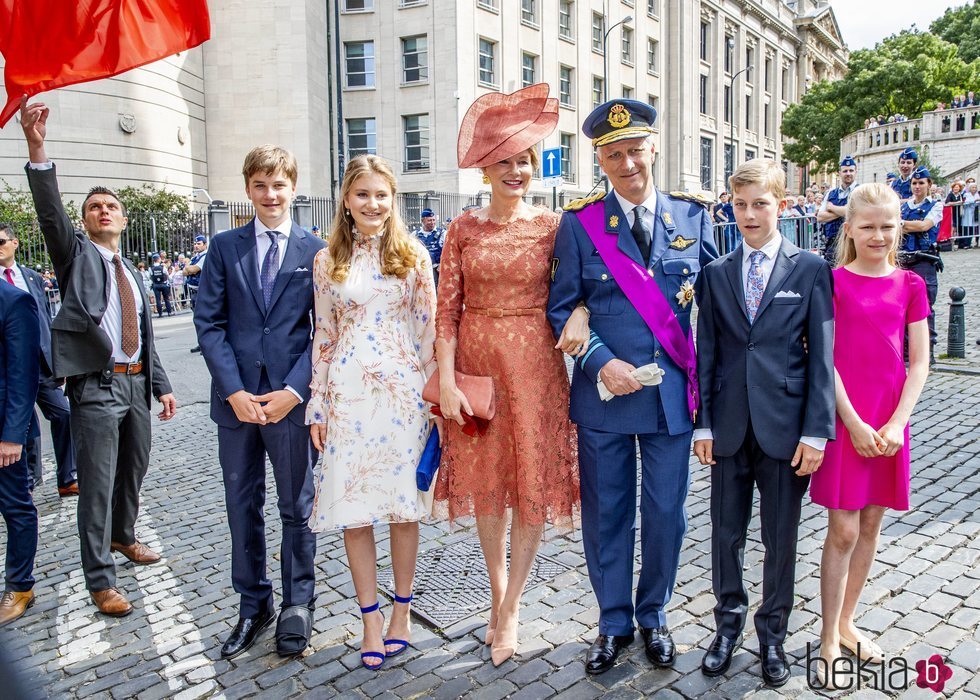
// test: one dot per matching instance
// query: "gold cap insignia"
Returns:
(613, 221)
(681, 243)
(618, 117)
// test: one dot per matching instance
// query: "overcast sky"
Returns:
(866, 23)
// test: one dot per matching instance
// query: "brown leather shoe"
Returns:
(138, 553)
(111, 602)
(70, 490)
(13, 605)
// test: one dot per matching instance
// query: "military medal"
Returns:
(681, 243)
(686, 294)
(613, 221)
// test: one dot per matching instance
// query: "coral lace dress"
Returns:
(527, 460)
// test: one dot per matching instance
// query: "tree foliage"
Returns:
(961, 26)
(907, 73)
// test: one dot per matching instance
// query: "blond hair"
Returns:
(398, 256)
(268, 159)
(871, 194)
(763, 172)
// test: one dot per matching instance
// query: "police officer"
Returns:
(902, 184)
(632, 258)
(161, 285)
(919, 252)
(192, 272)
(833, 210)
(433, 237)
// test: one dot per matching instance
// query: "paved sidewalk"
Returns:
(923, 597)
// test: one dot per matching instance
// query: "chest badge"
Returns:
(613, 221)
(681, 243)
(686, 294)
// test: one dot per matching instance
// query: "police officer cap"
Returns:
(921, 173)
(155, 256)
(427, 213)
(619, 119)
(890, 176)
(200, 239)
(848, 161)
(909, 154)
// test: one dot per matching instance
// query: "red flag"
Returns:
(52, 43)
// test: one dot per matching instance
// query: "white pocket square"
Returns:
(787, 295)
(306, 269)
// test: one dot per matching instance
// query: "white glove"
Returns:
(647, 375)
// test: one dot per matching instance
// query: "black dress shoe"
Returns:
(775, 668)
(659, 645)
(294, 629)
(604, 652)
(245, 633)
(719, 655)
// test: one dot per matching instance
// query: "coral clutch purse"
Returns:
(477, 390)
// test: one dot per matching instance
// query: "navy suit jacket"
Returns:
(618, 330)
(239, 337)
(36, 286)
(779, 370)
(19, 357)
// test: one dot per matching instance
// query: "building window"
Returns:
(565, 95)
(627, 45)
(707, 161)
(598, 29)
(704, 41)
(785, 81)
(362, 137)
(627, 93)
(488, 51)
(729, 53)
(416, 127)
(358, 5)
(749, 62)
(749, 154)
(767, 78)
(765, 119)
(567, 142)
(654, 102)
(488, 4)
(703, 95)
(411, 3)
(748, 111)
(729, 162)
(652, 48)
(528, 66)
(597, 91)
(596, 168)
(728, 104)
(566, 28)
(529, 12)
(653, 7)
(415, 59)
(360, 63)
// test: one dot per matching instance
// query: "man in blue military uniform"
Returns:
(919, 252)
(433, 238)
(632, 258)
(833, 210)
(902, 184)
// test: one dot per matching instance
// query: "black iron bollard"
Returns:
(956, 337)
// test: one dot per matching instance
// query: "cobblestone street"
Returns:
(923, 597)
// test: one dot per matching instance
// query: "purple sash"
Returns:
(647, 298)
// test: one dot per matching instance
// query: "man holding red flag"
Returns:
(90, 39)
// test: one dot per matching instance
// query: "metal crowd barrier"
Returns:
(802, 231)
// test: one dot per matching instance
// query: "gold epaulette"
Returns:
(694, 197)
(579, 204)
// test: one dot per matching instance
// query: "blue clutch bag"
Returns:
(429, 463)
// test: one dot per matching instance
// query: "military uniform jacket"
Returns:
(681, 244)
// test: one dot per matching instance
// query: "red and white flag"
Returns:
(48, 44)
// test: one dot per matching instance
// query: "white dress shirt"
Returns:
(263, 242)
(649, 218)
(19, 280)
(935, 215)
(112, 318)
(770, 250)
(846, 191)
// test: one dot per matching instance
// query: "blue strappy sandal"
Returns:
(401, 643)
(372, 654)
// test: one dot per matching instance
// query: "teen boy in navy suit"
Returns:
(765, 363)
(255, 329)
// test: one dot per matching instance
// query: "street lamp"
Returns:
(605, 55)
(731, 114)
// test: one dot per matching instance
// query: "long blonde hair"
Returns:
(398, 256)
(871, 194)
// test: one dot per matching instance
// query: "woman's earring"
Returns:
(347, 212)
(486, 180)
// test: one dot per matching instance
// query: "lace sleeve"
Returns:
(450, 298)
(324, 339)
(424, 311)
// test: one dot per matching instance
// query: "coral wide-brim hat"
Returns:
(498, 126)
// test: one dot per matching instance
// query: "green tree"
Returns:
(961, 26)
(17, 208)
(906, 73)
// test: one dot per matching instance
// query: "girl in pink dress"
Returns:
(866, 469)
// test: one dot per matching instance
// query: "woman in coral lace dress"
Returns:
(493, 289)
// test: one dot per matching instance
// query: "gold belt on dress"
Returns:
(500, 313)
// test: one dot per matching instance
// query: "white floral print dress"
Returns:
(372, 353)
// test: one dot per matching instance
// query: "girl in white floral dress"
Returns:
(372, 353)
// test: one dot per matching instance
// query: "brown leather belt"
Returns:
(128, 368)
(500, 313)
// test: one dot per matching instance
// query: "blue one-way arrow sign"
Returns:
(551, 162)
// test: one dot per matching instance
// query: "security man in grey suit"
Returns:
(102, 342)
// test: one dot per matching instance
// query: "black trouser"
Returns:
(111, 429)
(830, 250)
(162, 295)
(54, 406)
(781, 494)
(926, 269)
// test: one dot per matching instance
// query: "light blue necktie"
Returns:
(754, 285)
(270, 267)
